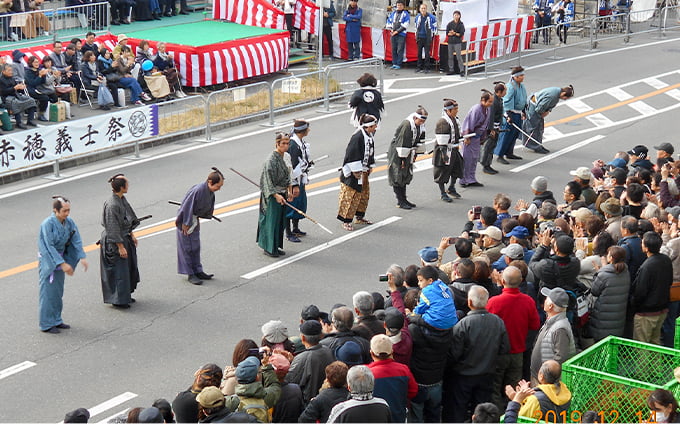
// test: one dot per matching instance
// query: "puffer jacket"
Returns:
(608, 315)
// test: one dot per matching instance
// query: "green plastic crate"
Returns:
(615, 376)
(677, 334)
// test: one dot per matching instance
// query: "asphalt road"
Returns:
(112, 360)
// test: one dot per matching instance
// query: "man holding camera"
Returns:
(559, 269)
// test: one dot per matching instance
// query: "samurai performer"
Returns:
(402, 154)
(60, 248)
(118, 250)
(446, 160)
(495, 119)
(276, 188)
(514, 102)
(475, 127)
(302, 163)
(540, 104)
(199, 202)
(367, 99)
(356, 167)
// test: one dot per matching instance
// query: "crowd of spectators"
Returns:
(479, 334)
(66, 72)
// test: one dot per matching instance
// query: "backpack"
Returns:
(255, 407)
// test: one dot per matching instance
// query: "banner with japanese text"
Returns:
(44, 144)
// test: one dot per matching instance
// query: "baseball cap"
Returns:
(581, 172)
(612, 207)
(513, 251)
(311, 328)
(210, 397)
(557, 295)
(675, 211)
(151, 415)
(310, 312)
(666, 147)
(617, 163)
(493, 232)
(381, 344)
(581, 214)
(519, 232)
(394, 319)
(639, 151)
(428, 254)
(565, 244)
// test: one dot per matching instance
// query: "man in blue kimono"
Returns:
(540, 104)
(60, 249)
(199, 202)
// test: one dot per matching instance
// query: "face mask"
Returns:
(661, 417)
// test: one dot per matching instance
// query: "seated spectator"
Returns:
(105, 68)
(89, 44)
(53, 78)
(123, 66)
(165, 62)
(242, 350)
(91, 77)
(146, 10)
(18, 64)
(14, 97)
(362, 406)
(5, 19)
(36, 23)
(185, 405)
(120, 11)
(38, 87)
(319, 408)
(144, 52)
(258, 389)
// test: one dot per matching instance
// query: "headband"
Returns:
(419, 116)
(301, 127)
(369, 123)
(518, 74)
(449, 107)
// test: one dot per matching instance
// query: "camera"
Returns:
(452, 240)
(476, 212)
(382, 277)
(257, 352)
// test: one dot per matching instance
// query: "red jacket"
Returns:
(518, 312)
(394, 383)
(401, 351)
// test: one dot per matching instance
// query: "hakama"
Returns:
(539, 103)
(275, 178)
(355, 192)
(199, 202)
(476, 121)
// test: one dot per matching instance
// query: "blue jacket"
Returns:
(515, 98)
(436, 306)
(328, 21)
(430, 25)
(405, 20)
(353, 27)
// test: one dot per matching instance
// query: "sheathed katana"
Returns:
(284, 201)
(174, 202)
(135, 224)
(527, 135)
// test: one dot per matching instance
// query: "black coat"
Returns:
(651, 288)
(429, 353)
(554, 271)
(319, 408)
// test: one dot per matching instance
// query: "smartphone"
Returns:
(382, 277)
(452, 240)
(476, 212)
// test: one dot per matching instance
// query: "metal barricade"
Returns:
(295, 90)
(340, 79)
(75, 21)
(181, 116)
(34, 26)
(236, 104)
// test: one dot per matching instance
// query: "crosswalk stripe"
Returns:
(643, 108)
(111, 403)
(674, 93)
(578, 106)
(599, 120)
(654, 82)
(551, 133)
(619, 94)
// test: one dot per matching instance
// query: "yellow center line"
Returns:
(168, 225)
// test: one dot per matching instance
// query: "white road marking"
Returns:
(643, 108)
(111, 403)
(599, 120)
(557, 153)
(654, 82)
(319, 248)
(618, 94)
(16, 369)
(674, 93)
(107, 419)
(552, 133)
(578, 106)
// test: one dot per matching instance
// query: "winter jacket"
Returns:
(337, 339)
(555, 341)
(368, 326)
(651, 288)
(429, 353)
(319, 408)
(554, 402)
(519, 314)
(436, 306)
(554, 271)
(634, 255)
(352, 17)
(608, 315)
(478, 340)
(290, 404)
(264, 394)
(394, 383)
(308, 370)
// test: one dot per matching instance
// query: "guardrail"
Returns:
(586, 32)
(25, 28)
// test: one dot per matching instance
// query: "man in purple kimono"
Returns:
(474, 130)
(199, 202)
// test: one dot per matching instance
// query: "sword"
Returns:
(285, 202)
(173, 202)
(135, 224)
(527, 135)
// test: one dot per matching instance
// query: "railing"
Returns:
(236, 104)
(181, 116)
(25, 28)
(340, 78)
